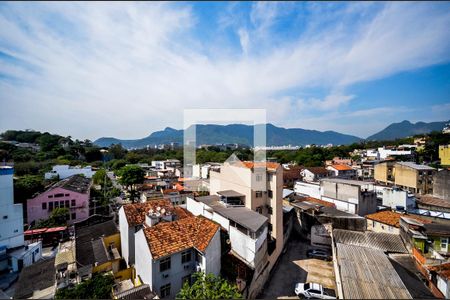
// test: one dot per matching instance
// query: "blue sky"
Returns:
(127, 69)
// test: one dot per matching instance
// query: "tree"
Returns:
(130, 176)
(101, 178)
(26, 186)
(97, 287)
(209, 287)
(58, 217)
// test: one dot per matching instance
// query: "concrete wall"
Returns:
(441, 184)
(312, 190)
(381, 172)
(405, 176)
(380, 227)
(392, 198)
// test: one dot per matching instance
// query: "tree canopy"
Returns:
(208, 287)
(97, 287)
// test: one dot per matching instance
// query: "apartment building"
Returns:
(259, 187)
(71, 193)
(314, 173)
(413, 177)
(444, 155)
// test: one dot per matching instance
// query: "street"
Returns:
(293, 267)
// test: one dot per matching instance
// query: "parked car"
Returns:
(311, 290)
(319, 254)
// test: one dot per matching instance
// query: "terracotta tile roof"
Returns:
(179, 187)
(136, 212)
(268, 165)
(443, 270)
(315, 201)
(342, 167)
(172, 237)
(392, 218)
(317, 170)
(182, 213)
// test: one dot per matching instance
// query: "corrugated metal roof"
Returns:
(415, 166)
(376, 240)
(368, 274)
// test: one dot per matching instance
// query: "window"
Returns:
(269, 227)
(259, 209)
(5, 217)
(258, 177)
(444, 244)
(50, 205)
(72, 202)
(61, 204)
(185, 256)
(164, 264)
(67, 203)
(270, 193)
(44, 205)
(270, 210)
(56, 204)
(66, 195)
(74, 216)
(258, 194)
(165, 290)
(59, 195)
(186, 279)
(50, 196)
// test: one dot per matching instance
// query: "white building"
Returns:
(65, 171)
(132, 218)
(13, 252)
(163, 164)
(168, 253)
(395, 198)
(247, 229)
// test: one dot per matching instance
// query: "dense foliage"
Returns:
(130, 176)
(98, 287)
(208, 287)
(58, 217)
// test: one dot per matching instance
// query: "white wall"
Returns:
(143, 258)
(64, 171)
(245, 246)
(123, 227)
(11, 215)
(310, 189)
(212, 255)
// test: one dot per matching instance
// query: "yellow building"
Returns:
(444, 155)
(413, 177)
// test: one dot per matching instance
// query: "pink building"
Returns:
(72, 193)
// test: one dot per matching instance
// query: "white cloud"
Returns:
(125, 69)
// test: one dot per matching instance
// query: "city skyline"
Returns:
(127, 69)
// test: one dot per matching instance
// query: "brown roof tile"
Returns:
(315, 201)
(136, 212)
(392, 218)
(433, 201)
(172, 237)
(317, 170)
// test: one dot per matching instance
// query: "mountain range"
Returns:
(276, 136)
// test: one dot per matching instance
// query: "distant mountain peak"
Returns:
(405, 129)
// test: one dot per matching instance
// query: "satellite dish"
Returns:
(158, 208)
(151, 211)
(163, 211)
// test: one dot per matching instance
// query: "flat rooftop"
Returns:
(348, 181)
(241, 215)
(230, 193)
